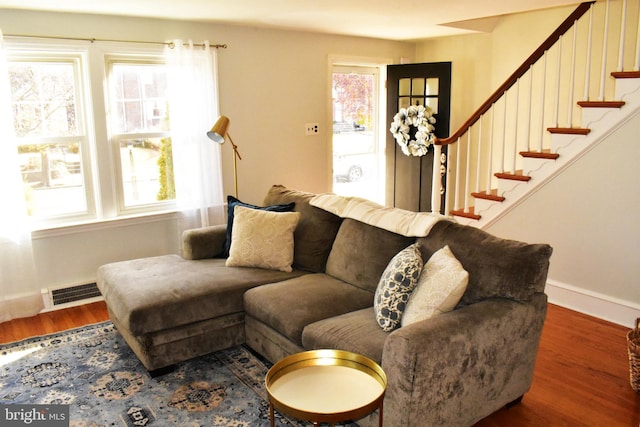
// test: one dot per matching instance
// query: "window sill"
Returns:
(101, 224)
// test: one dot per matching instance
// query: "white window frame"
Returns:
(114, 138)
(102, 172)
(85, 136)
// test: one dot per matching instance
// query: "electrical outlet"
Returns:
(311, 129)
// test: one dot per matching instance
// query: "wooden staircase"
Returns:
(484, 200)
(538, 164)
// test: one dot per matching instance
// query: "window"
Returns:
(47, 100)
(140, 132)
(70, 172)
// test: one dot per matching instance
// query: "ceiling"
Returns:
(393, 20)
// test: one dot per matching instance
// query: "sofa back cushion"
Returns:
(498, 268)
(361, 253)
(316, 229)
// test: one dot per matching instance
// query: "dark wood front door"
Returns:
(409, 178)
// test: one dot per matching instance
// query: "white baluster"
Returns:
(491, 144)
(543, 93)
(504, 132)
(555, 117)
(456, 205)
(529, 109)
(623, 26)
(572, 76)
(637, 64)
(447, 199)
(605, 37)
(479, 156)
(515, 131)
(587, 76)
(468, 172)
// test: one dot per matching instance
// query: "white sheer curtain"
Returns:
(19, 291)
(193, 108)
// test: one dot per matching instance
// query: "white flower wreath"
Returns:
(416, 121)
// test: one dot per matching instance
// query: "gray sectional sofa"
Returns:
(452, 369)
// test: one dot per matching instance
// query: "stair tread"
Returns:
(626, 74)
(462, 213)
(544, 154)
(569, 131)
(493, 196)
(517, 176)
(601, 104)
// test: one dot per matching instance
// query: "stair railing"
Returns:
(539, 98)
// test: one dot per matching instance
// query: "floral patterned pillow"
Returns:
(395, 287)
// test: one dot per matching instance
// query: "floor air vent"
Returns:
(74, 293)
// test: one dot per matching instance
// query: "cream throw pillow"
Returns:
(262, 239)
(442, 283)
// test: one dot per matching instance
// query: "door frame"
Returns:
(365, 62)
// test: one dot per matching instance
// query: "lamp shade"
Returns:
(219, 130)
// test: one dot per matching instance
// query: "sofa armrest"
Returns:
(461, 366)
(205, 242)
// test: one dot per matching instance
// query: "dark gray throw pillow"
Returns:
(232, 202)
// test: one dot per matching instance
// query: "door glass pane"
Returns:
(433, 103)
(404, 87)
(404, 102)
(417, 87)
(432, 86)
(356, 153)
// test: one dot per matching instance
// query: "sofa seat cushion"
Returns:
(164, 292)
(289, 306)
(356, 331)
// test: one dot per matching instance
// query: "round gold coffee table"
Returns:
(326, 386)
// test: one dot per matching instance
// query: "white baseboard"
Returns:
(592, 303)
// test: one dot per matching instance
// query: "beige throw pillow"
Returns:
(442, 283)
(262, 239)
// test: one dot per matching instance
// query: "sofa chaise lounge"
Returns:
(453, 368)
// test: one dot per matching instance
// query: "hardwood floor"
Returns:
(53, 321)
(581, 376)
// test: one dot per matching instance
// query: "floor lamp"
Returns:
(217, 134)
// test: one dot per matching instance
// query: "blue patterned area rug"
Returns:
(92, 370)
